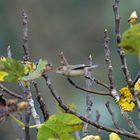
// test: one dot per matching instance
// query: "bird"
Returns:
(74, 70)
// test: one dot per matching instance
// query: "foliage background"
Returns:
(75, 27)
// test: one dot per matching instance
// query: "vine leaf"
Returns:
(60, 127)
(12, 70)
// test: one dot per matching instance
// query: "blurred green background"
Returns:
(75, 27)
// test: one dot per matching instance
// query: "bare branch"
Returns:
(64, 107)
(118, 39)
(97, 120)
(108, 61)
(63, 59)
(40, 100)
(25, 36)
(9, 53)
(89, 102)
(87, 90)
(122, 54)
(117, 20)
(112, 115)
(130, 122)
(4, 89)
(99, 82)
(25, 58)
(112, 88)
(33, 112)
(113, 91)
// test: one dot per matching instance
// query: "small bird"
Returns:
(74, 70)
(130, 40)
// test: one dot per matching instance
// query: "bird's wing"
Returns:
(78, 66)
(82, 66)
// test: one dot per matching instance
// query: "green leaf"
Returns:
(60, 127)
(36, 73)
(130, 41)
(14, 68)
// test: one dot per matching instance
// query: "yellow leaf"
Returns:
(2, 58)
(114, 136)
(91, 137)
(29, 67)
(125, 101)
(137, 85)
(2, 75)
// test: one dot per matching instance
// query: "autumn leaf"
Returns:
(12, 70)
(114, 136)
(91, 137)
(125, 101)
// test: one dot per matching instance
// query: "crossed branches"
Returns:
(111, 90)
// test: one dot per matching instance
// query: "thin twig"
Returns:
(120, 51)
(32, 110)
(64, 107)
(27, 112)
(93, 79)
(63, 59)
(113, 91)
(136, 78)
(89, 102)
(4, 89)
(112, 115)
(9, 53)
(40, 100)
(26, 88)
(25, 36)
(25, 58)
(97, 120)
(117, 20)
(130, 122)
(99, 82)
(112, 88)
(87, 90)
(122, 54)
